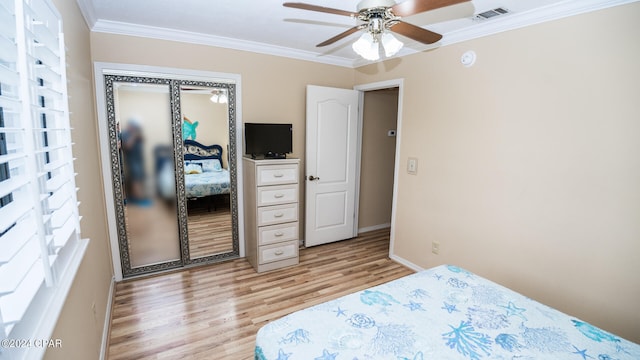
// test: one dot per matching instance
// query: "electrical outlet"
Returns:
(435, 247)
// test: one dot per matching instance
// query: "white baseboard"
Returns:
(107, 320)
(406, 263)
(374, 227)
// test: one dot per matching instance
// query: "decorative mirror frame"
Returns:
(179, 161)
(106, 74)
(116, 173)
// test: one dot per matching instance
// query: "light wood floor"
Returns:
(152, 232)
(214, 311)
(209, 231)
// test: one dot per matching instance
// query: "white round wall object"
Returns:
(468, 58)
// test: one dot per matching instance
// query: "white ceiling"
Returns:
(265, 26)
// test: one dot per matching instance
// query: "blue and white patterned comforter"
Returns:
(440, 313)
(207, 183)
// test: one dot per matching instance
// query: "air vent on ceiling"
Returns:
(492, 13)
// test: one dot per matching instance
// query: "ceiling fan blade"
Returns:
(323, 9)
(416, 33)
(411, 7)
(339, 36)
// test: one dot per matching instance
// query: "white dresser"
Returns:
(271, 212)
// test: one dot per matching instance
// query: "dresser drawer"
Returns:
(275, 195)
(277, 252)
(277, 233)
(277, 214)
(276, 174)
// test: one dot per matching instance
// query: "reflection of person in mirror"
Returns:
(132, 143)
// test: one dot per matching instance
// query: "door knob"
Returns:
(312, 178)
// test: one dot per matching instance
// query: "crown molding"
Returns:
(88, 12)
(121, 28)
(479, 28)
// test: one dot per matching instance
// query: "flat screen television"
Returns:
(268, 140)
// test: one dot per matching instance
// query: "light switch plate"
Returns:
(412, 166)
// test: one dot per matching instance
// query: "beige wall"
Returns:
(380, 114)
(529, 162)
(80, 327)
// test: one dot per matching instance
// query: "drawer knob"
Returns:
(279, 252)
(278, 215)
(278, 196)
(279, 233)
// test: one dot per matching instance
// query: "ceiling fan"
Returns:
(218, 95)
(379, 18)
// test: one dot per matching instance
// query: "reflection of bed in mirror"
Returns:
(206, 179)
(207, 188)
(204, 175)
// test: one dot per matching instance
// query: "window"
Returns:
(40, 245)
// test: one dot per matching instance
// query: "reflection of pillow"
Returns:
(209, 165)
(192, 168)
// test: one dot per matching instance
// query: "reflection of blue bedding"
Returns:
(207, 183)
(441, 313)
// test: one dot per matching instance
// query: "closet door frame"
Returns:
(174, 76)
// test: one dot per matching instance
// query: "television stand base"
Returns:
(268, 156)
(275, 156)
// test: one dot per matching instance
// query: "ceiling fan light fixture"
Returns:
(219, 96)
(367, 47)
(390, 44)
(376, 18)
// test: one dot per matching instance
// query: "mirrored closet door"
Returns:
(173, 166)
(144, 188)
(205, 131)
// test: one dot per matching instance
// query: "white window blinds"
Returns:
(40, 246)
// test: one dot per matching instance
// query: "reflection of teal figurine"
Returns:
(189, 129)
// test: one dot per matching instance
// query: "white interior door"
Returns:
(331, 149)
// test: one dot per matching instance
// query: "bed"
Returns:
(441, 313)
(204, 174)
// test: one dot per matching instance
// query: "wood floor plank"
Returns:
(215, 311)
(209, 230)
